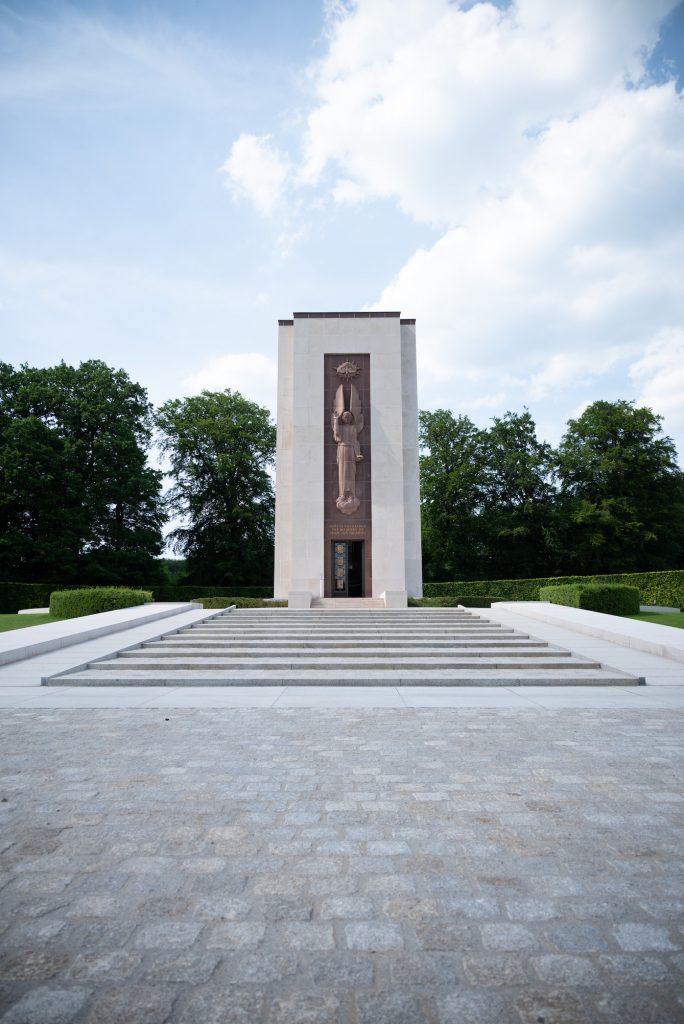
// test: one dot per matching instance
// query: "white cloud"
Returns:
(572, 272)
(256, 170)
(659, 375)
(438, 106)
(252, 374)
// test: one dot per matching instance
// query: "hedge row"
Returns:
(611, 598)
(239, 602)
(167, 592)
(69, 604)
(446, 601)
(664, 588)
(14, 596)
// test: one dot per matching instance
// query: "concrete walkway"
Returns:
(20, 644)
(649, 637)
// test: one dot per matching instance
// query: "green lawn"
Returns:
(662, 618)
(21, 621)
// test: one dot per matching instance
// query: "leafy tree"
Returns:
(452, 480)
(78, 502)
(517, 499)
(221, 446)
(621, 491)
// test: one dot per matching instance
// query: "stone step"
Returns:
(485, 660)
(345, 631)
(299, 677)
(158, 649)
(388, 648)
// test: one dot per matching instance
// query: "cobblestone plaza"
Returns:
(446, 866)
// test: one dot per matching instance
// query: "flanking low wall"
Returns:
(665, 587)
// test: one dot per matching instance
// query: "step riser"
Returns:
(476, 679)
(378, 665)
(323, 652)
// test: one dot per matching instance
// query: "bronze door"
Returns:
(347, 568)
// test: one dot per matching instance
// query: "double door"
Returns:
(347, 568)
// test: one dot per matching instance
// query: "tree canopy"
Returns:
(78, 502)
(621, 491)
(220, 447)
(500, 503)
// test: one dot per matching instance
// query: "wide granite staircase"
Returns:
(408, 647)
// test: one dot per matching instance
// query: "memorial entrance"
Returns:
(347, 568)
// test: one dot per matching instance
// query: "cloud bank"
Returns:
(536, 139)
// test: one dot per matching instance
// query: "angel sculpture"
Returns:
(347, 424)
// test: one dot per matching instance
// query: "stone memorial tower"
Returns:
(347, 494)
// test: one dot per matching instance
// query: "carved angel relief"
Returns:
(347, 424)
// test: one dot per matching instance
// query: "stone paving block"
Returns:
(411, 908)
(636, 1007)
(531, 910)
(35, 933)
(393, 1008)
(304, 935)
(374, 936)
(338, 971)
(220, 907)
(285, 909)
(387, 847)
(636, 969)
(167, 934)
(429, 970)
(278, 885)
(505, 936)
(106, 965)
(577, 938)
(389, 885)
(258, 968)
(132, 1004)
(346, 907)
(636, 937)
(189, 967)
(236, 935)
(304, 1008)
(220, 1005)
(47, 1005)
(473, 1008)
(33, 964)
(552, 1007)
(495, 970)
(447, 934)
(566, 970)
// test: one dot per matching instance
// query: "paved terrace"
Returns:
(211, 856)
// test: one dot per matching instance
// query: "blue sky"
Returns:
(175, 177)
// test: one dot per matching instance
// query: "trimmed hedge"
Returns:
(239, 602)
(167, 592)
(69, 604)
(612, 599)
(665, 588)
(14, 596)
(450, 602)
